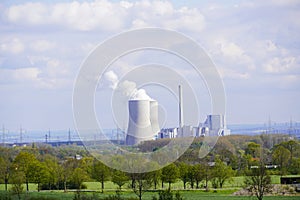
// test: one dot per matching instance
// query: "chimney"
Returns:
(180, 107)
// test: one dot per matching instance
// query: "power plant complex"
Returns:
(143, 123)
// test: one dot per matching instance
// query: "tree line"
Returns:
(68, 167)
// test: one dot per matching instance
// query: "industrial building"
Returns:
(143, 123)
(214, 125)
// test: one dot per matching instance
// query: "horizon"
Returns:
(243, 127)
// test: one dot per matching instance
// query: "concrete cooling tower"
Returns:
(143, 121)
(154, 117)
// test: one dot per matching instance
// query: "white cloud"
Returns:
(235, 58)
(139, 23)
(105, 15)
(79, 16)
(56, 68)
(13, 46)
(230, 49)
(31, 13)
(233, 74)
(280, 65)
(42, 45)
(88, 47)
(270, 46)
(20, 75)
(187, 19)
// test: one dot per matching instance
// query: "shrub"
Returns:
(42, 198)
(5, 196)
(168, 195)
(178, 196)
(81, 196)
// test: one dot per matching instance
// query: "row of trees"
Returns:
(241, 154)
(50, 173)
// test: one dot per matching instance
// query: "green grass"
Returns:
(235, 183)
(190, 194)
(31, 187)
(187, 195)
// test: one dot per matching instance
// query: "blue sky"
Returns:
(254, 44)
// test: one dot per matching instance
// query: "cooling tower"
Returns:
(154, 117)
(139, 124)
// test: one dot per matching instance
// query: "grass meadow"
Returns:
(93, 188)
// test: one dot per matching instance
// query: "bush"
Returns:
(118, 197)
(81, 196)
(178, 196)
(60, 186)
(167, 195)
(5, 196)
(42, 198)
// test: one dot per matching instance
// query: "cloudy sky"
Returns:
(254, 44)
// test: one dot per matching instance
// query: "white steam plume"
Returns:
(127, 88)
(112, 78)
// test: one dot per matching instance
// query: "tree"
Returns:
(68, 168)
(207, 173)
(245, 162)
(295, 166)
(199, 173)
(192, 171)
(221, 172)
(184, 171)
(4, 171)
(37, 173)
(22, 163)
(86, 163)
(253, 149)
(78, 177)
(101, 173)
(54, 170)
(258, 182)
(17, 180)
(155, 176)
(142, 182)
(169, 174)
(119, 178)
(281, 156)
(293, 146)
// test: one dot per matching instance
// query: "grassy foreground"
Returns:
(187, 195)
(93, 189)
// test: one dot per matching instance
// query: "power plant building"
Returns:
(143, 123)
(214, 125)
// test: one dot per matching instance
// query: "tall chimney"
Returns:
(180, 107)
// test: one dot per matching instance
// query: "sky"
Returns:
(255, 46)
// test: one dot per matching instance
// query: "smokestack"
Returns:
(180, 107)
(139, 125)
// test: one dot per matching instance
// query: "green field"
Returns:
(235, 183)
(187, 195)
(190, 194)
